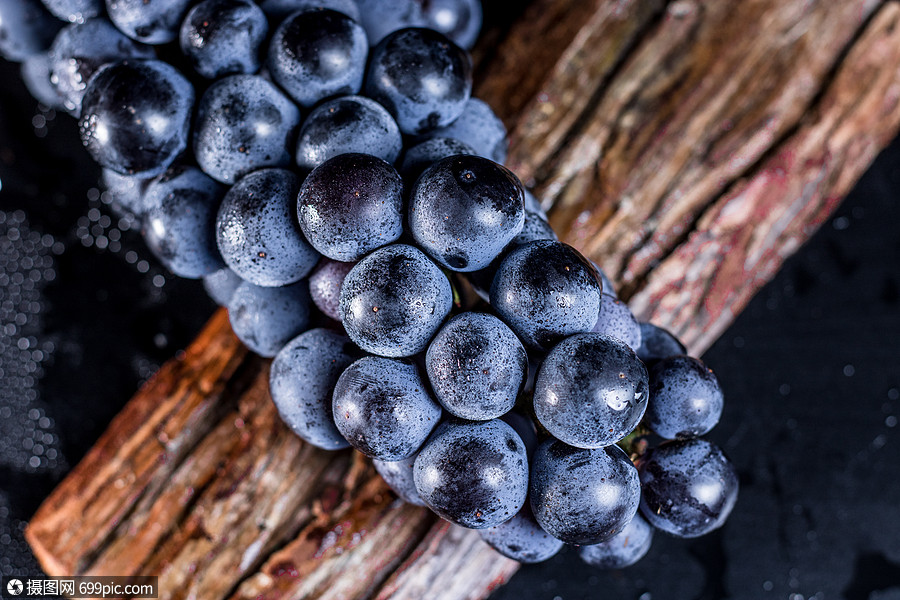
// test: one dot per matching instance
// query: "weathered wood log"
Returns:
(688, 147)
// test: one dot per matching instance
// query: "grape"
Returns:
(591, 391)
(317, 54)
(221, 285)
(325, 286)
(464, 209)
(685, 398)
(350, 205)
(623, 549)
(421, 77)
(394, 300)
(657, 344)
(398, 474)
(533, 205)
(459, 20)
(265, 319)
(382, 407)
(75, 11)
(35, 73)
(473, 474)
(148, 21)
(278, 10)
(348, 124)
(302, 380)
(524, 426)
(382, 17)
(223, 37)
(135, 116)
(82, 48)
(127, 191)
(424, 154)
(583, 496)
(479, 128)
(257, 232)
(616, 320)
(180, 221)
(522, 539)
(476, 366)
(25, 29)
(689, 487)
(546, 291)
(534, 228)
(243, 123)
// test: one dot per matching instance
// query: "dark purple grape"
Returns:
(180, 221)
(75, 11)
(135, 116)
(616, 320)
(657, 344)
(35, 73)
(126, 191)
(421, 77)
(257, 230)
(478, 127)
(424, 154)
(302, 380)
(464, 210)
(350, 205)
(265, 319)
(591, 391)
(318, 54)
(344, 125)
(546, 291)
(149, 21)
(476, 366)
(82, 48)
(522, 539)
(459, 20)
(398, 474)
(623, 549)
(382, 407)
(223, 37)
(394, 300)
(26, 28)
(243, 123)
(473, 474)
(221, 285)
(278, 10)
(382, 17)
(689, 487)
(583, 496)
(325, 286)
(685, 398)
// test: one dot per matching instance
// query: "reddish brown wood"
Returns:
(687, 146)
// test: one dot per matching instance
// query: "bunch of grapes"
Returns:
(322, 166)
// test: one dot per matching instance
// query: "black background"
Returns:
(811, 372)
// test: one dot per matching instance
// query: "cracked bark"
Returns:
(689, 147)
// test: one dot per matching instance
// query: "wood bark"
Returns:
(688, 147)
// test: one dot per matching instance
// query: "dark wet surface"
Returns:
(811, 373)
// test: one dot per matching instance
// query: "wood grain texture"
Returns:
(689, 147)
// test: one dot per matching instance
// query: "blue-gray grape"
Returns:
(424, 154)
(685, 398)
(75, 11)
(278, 10)
(257, 231)
(348, 124)
(221, 285)
(459, 20)
(473, 474)
(394, 300)
(350, 205)
(688, 487)
(382, 407)
(383, 17)
(325, 286)
(591, 391)
(265, 319)
(243, 123)
(26, 28)
(476, 366)
(302, 380)
(35, 72)
(398, 474)
(148, 21)
(623, 549)
(522, 539)
(478, 127)
(583, 496)
(616, 320)
(657, 344)
(223, 37)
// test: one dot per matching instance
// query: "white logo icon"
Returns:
(14, 587)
